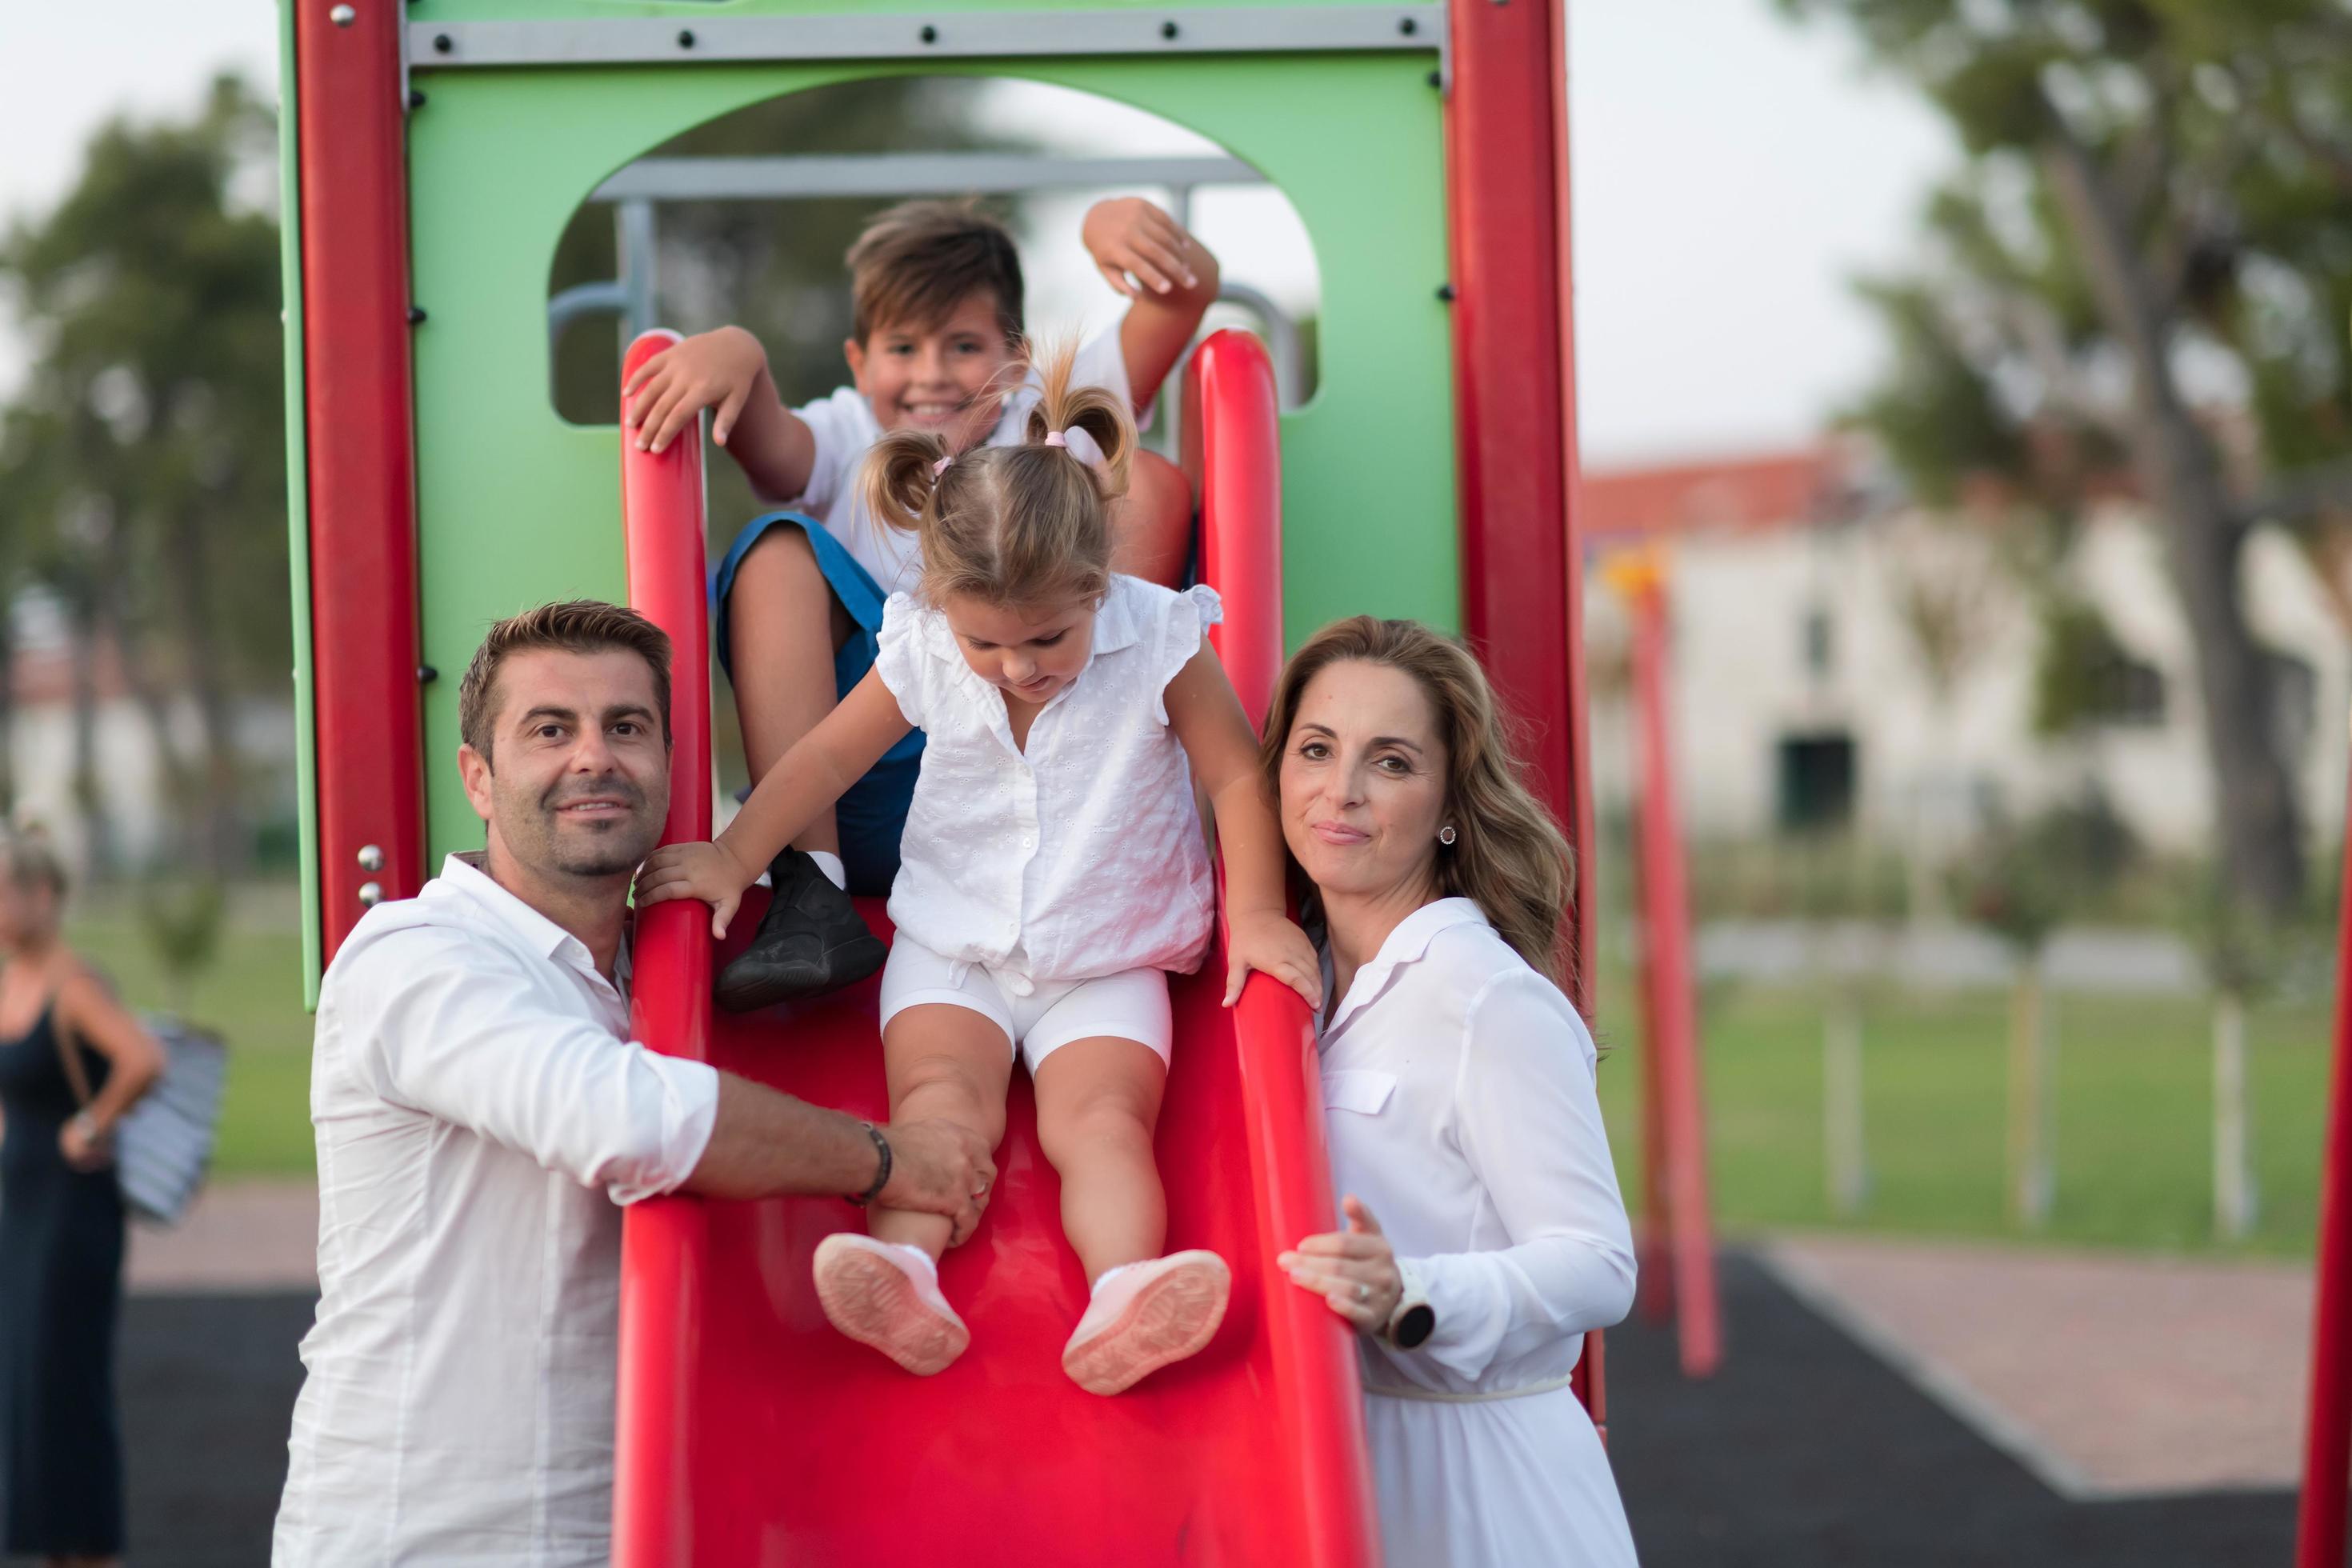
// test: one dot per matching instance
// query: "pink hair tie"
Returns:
(941, 467)
(1078, 444)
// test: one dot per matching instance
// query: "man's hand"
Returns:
(1127, 235)
(1268, 942)
(938, 1167)
(705, 871)
(718, 370)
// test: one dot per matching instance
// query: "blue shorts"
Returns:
(873, 815)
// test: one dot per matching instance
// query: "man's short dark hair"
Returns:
(916, 263)
(576, 625)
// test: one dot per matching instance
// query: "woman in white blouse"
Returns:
(1459, 1092)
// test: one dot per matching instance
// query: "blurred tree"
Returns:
(2144, 264)
(146, 445)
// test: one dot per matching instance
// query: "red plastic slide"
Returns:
(750, 1433)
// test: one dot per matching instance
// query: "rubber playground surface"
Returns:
(1871, 1410)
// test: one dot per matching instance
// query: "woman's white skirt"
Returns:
(1495, 1483)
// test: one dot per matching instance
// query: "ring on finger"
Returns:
(1363, 1292)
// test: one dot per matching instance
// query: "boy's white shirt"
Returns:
(844, 427)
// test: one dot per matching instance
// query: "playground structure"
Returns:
(434, 152)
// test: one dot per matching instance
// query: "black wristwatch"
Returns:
(1414, 1320)
(882, 1173)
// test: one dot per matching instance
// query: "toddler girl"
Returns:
(1052, 872)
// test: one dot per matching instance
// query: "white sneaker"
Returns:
(887, 1295)
(1144, 1317)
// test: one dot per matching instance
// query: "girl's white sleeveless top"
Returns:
(1082, 856)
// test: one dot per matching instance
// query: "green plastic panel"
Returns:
(515, 507)
(297, 501)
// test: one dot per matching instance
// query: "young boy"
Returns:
(936, 342)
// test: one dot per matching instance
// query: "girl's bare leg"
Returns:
(945, 1063)
(1097, 1103)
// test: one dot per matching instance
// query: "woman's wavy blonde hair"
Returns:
(1508, 857)
(1012, 526)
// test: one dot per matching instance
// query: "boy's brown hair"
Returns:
(916, 263)
(575, 625)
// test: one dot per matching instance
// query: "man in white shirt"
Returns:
(481, 1114)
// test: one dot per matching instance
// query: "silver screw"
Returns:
(342, 16)
(371, 857)
(371, 894)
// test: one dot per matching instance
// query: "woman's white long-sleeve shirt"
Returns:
(1460, 1106)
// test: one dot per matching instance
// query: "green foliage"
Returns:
(2148, 184)
(2021, 880)
(2082, 673)
(145, 450)
(182, 919)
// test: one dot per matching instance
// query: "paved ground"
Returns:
(1808, 1451)
(2106, 1375)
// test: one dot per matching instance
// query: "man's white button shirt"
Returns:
(480, 1112)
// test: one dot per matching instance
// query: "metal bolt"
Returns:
(416, 315)
(1167, 29)
(442, 44)
(1408, 26)
(342, 16)
(415, 97)
(371, 894)
(1445, 292)
(426, 675)
(371, 857)
(930, 34)
(1436, 79)
(686, 39)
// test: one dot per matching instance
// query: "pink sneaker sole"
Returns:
(1173, 1317)
(870, 1299)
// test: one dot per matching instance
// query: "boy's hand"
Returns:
(1266, 942)
(1128, 235)
(705, 871)
(718, 370)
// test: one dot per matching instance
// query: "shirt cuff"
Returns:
(688, 1111)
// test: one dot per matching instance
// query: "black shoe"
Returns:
(810, 942)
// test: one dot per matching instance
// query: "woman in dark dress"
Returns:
(60, 1224)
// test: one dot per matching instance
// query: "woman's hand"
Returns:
(705, 871)
(1272, 944)
(1127, 235)
(1354, 1270)
(710, 370)
(85, 1148)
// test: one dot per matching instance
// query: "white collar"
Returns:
(1408, 943)
(462, 873)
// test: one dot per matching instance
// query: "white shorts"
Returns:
(1130, 1005)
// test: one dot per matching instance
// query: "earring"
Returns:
(1446, 834)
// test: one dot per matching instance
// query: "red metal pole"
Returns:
(2328, 1450)
(664, 1240)
(1514, 416)
(1233, 454)
(1674, 1025)
(352, 174)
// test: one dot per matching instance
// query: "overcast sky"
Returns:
(1731, 174)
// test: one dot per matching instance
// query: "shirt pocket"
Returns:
(1365, 1092)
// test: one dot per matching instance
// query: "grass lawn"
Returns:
(2134, 1114)
(2134, 1126)
(253, 996)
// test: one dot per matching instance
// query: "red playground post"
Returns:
(2328, 1451)
(1677, 1243)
